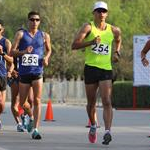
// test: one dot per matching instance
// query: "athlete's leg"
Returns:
(106, 90)
(23, 93)
(2, 103)
(91, 90)
(29, 101)
(15, 101)
(2, 100)
(30, 97)
(37, 92)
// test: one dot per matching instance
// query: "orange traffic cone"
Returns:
(49, 112)
(89, 122)
(20, 110)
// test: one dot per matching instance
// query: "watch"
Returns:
(3, 54)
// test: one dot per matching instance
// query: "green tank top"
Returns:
(99, 55)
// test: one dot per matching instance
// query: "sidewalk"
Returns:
(68, 132)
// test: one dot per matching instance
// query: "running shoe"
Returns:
(30, 125)
(25, 121)
(92, 135)
(107, 138)
(20, 128)
(36, 135)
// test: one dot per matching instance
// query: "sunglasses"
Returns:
(101, 10)
(34, 19)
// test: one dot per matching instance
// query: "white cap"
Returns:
(100, 4)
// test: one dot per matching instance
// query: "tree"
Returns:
(62, 18)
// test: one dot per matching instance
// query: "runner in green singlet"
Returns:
(97, 37)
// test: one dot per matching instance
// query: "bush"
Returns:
(143, 97)
(122, 95)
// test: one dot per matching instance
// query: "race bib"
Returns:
(102, 49)
(30, 60)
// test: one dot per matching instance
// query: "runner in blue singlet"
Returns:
(31, 44)
(5, 60)
(13, 82)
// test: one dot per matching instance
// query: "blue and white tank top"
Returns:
(3, 71)
(31, 63)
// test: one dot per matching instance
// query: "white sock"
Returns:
(93, 126)
(19, 123)
(107, 131)
(35, 129)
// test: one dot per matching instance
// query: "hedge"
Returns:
(122, 95)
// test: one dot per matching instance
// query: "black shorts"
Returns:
(3, 83)
(27, 79)
(12, 80)
(94, 74)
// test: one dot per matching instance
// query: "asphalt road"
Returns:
(68, 132)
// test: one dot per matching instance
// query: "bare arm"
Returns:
(118, 41)
(144, 51)
(14, 51)
(81, 35)
(6, 56)
(10, 69)
(10, 65)
(48, 49)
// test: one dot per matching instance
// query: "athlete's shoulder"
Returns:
(86, 28)
(21, 29)
(19, 33)
(87, 24)
(45, 35)
(7, 41)
(116, 29)
(3, 38)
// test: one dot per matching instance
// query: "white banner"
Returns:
(141, 74)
